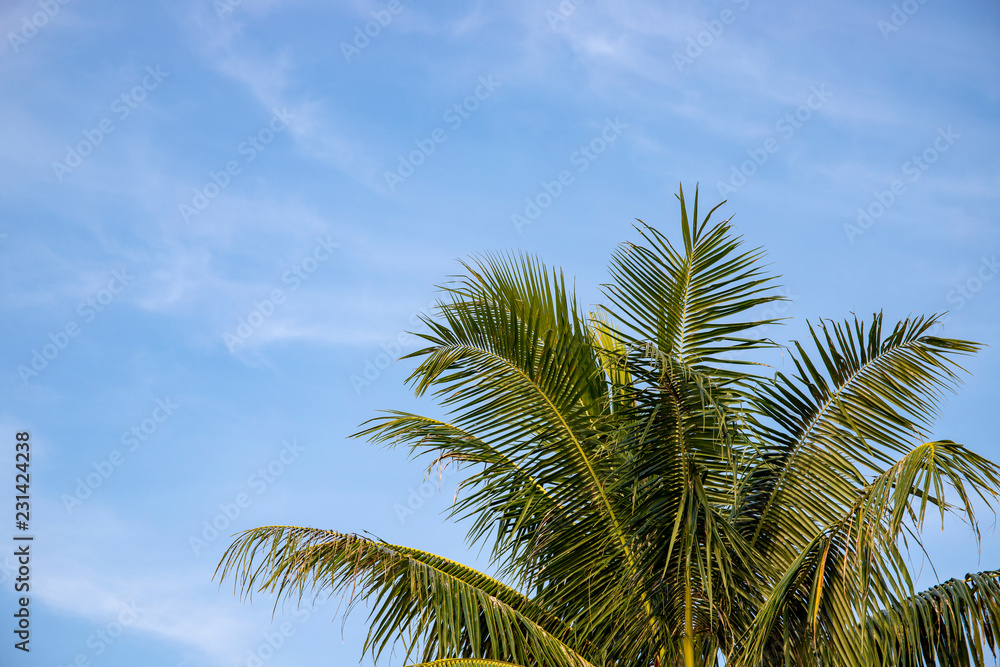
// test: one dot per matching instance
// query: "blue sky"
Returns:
(218, 219)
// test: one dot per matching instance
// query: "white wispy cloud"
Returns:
(78, 582)
(267, 76)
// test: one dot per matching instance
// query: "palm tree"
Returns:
(650, 492)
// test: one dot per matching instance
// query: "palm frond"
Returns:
(649, 495)
(952, 623)
(853, 568)
(840, 421)
(688, 302)
(433, 605)
(466, 662)
(500, 496)
(513, 361)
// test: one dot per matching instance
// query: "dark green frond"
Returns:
(953, 623)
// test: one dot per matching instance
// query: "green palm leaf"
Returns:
(650, 496)
(839, 422)
(684, 301)
(854, 569)
(466, 662)
(429, 602)
(948, 624)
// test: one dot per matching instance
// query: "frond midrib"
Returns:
(815, 419)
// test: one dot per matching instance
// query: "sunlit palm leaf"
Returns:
(853, 568)
(650, 496)
(687, 301)
(433, 604)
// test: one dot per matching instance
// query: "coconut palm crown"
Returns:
(650, 492)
